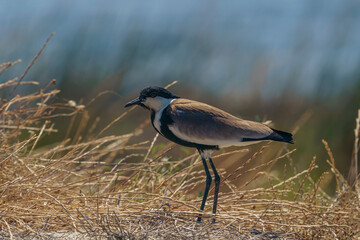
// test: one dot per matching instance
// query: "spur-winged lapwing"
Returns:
(206, 128)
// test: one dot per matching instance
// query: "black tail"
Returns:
(281, 136)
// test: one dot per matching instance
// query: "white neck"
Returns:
(158, 112)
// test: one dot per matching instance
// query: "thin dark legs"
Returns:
(217, 186)
(207, 186)
(208, 183)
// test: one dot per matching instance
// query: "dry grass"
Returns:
(97, 186)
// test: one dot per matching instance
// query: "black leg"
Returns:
(207, 186)
(217, 186)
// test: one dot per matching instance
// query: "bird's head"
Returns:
(153, 98)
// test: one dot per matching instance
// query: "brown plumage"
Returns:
(204, 124)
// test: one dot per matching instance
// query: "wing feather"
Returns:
(203, 124)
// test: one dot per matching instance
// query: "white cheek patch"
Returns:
(157, 103)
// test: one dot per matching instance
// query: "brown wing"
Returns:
(201, 123)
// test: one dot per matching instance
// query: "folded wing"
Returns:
(203, 124)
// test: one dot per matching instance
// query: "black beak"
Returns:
(133, 102)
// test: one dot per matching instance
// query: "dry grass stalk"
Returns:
(30, 65)
(100, 187)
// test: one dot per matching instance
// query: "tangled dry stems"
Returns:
(96, 186)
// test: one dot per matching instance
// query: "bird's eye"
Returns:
(152, 95)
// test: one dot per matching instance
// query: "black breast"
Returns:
(165, 121)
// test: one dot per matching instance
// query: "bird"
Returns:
(198, 125)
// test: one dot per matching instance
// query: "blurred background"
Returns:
(294, 62)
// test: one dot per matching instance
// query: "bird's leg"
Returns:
(207, 186)
(217, 186)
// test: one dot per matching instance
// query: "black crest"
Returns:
(156, 91)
